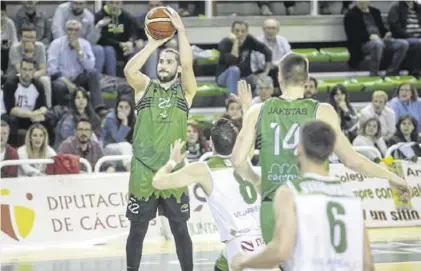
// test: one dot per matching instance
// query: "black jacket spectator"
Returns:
(250, 44)
(121, 29)
(356, 32)
(397, 19)
(33, 95)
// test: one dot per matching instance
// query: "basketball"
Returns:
(158, 24)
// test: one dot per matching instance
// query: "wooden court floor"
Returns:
(393, 249)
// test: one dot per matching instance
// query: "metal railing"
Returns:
(395, 147)
(41, 161)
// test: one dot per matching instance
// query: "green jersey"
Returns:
(278, 134)
(161, 120)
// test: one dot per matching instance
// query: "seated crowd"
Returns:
(52, 101)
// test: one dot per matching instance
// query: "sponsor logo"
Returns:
(184, 208)
(284, 172)
(247, 246)
(17, 221)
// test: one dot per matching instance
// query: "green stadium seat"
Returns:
(395, 81)
(324, 86)
(338, 54)
(312, 54)
(209, 89)
(213, 59)
(373, 83)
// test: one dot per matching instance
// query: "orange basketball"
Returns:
(158, 24)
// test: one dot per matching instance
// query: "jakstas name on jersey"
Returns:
(278, 134)
(330, 226)
(234, 202)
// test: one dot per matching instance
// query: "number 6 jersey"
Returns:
(234, 202)
(330, 226)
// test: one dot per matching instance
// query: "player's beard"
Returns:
(167, 78)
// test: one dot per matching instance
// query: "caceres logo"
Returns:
(16, 220)
(281, 173)
(184, 208)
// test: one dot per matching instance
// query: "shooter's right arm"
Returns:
(137, 80)
(349, 156)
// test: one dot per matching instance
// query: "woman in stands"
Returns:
(407, 102)
(196, 142)
(117, 131)
(79, 107)
(406, 132)
(36, 147)
(370, 135)
(338, 98)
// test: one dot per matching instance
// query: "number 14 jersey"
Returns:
(330, 226)
(234, 202)
(278, 134)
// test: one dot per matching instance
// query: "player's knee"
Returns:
(138, 229)
(234, 70)
(179, 228)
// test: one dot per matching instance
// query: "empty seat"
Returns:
(327, 84)
(395, 81)
(312, 54)
(336, 54)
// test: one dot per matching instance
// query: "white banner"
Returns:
(376, 194)
(74, 210)
(65, 210)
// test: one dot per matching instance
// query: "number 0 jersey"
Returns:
(278, 134)
(234, 203)
(330, 226)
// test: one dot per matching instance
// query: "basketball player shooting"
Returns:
(318, 223)
(234, 203)
(162, 110)
(276, 125)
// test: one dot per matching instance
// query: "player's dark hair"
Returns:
(223, 134)
(240, 22)
(318, 140)
(311, 78)
(294, 69)
(175, 52)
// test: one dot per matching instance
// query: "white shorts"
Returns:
(248, 245)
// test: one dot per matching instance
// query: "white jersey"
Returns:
(330, 226)
(234, 203)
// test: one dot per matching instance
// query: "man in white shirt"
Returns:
(378, 109)
(264, 88)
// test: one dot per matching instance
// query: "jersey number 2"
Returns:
(290, 141)
(247, 190)
(337, 226)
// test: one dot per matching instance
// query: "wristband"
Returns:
(172, 163)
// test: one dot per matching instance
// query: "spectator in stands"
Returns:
(264, 88)
(233, 108)
(8, 37)
(29, 48)
(406, 102)
(310, 88)
(338, 98)
(29, 17)
(36, 147)
(235, 53)
(80, 107)
(82, 145)
(196, 142)
(377, 108)
(406, 131)
(7, 152)
(404, 19)
(119, 31)
(370, 135)
(24, 99)
(71, 64)
(367, 35)
(117, 130)
(77, 10)
(276, 43)
(191, 8)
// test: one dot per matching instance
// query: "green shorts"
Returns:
(140, 184)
